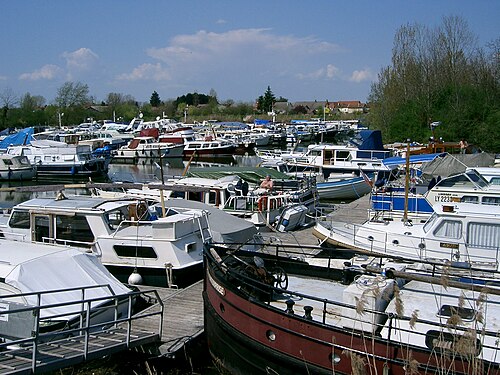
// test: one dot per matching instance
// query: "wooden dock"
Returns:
(182, 318)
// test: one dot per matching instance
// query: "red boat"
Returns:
(266, 314)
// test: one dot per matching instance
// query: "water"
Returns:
(145, 171)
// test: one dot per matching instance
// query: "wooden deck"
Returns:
(182, 318)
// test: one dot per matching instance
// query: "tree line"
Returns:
(439, 75)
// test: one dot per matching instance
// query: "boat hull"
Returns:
(249, 335)
(18, 174)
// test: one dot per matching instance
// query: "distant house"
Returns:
(348, 106)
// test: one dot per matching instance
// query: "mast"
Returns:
(407, 181)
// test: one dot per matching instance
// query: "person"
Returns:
(267, 183)
(463, 146)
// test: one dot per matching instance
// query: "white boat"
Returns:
(58, 280)
(16, 167)
(127, 234)
(149, 147)
(464, 233)
(330, 158)
(208, 146)
(54, 159)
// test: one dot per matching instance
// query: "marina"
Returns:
(205, 248)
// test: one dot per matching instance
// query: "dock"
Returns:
(182, 319)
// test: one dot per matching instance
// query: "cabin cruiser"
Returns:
(16, 167)
(465, 233)
(53, 159)
(277, 313)
(128, 235)
(466, 187)
(149, 147)
(237, 197)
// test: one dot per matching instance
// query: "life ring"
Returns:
(262, 203)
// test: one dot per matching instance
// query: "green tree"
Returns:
(265, 103)
(155, 100)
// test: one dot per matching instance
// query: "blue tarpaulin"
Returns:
(414, 159)
(22, 137)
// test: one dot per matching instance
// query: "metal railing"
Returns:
(90, 315)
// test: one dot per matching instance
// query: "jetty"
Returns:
(163, 329)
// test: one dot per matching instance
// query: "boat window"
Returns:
(495, 181)
(484, 235)
(463, 312)
(342, 155)
(460, 179)
(430, 222)
(7, 161)
(20, 219)
(115, 217)
(194, 145)
(74, 228)
(135, 251)
(491, 200)
(69, 157)
(212, 197)
(445, 342)
(195, 196)
(448, 229)
(469, 199)
(477, 178)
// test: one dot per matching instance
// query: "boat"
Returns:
(469, 186)
(129, 235)
(352, 187)
(16, 167)
(279, 314)
(209, 147)
(55, 159)
(464, 233)
(61, 283)
(327, 159)
(148, 147)
(236, 196)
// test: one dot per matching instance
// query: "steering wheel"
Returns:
(280, 278)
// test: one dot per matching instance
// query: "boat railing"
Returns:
(367, 315)
(23, 324)
(408, 245)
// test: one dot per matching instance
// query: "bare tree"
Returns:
(8, 98)
(30, 102)
(72, 94)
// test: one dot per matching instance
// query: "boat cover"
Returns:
(56, 270)
(457, 163)
(22, 137)
(414, 159)
(225, 227)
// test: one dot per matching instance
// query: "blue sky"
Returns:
(303, 50)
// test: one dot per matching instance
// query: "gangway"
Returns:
(29, 346)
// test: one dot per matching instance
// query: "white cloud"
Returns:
(361, 75)
(3, 78)
(329, 72)
(46, 72)
(81, 59)
(257, 56)
(153, 72)
(220, 22)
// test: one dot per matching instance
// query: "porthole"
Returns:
(370, 238)
(395, 242)
(271, 336)
(222, 308)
